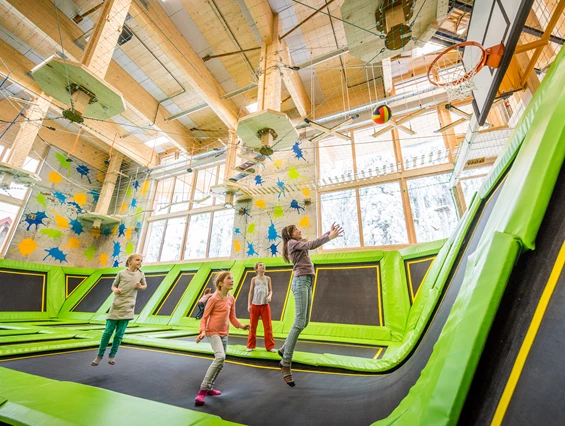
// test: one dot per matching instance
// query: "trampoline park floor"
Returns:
(174, 378)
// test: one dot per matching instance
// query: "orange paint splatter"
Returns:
(73, 243)
(55, 178)
(27, 246)
(103, 259)
(260, 203)
(236, 246)
(62, 222)
(128, 233)
(80, 199)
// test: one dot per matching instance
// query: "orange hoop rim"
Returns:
(468, 74)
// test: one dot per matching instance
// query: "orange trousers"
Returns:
(263, 311)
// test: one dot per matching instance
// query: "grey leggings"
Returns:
(219, 346)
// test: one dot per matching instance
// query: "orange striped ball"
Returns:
(381, 114)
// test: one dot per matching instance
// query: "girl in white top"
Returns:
(258, 305)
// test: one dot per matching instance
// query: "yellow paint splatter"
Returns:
(236, 246)
(27, 246)
(293, 173)
(62, 222)
(95, 232)
(100, 177)
(80, 199)
(278, 163)
(306, 191)
(55, 178)
(73, 243)
(145, 187)
(123, 208)
(305, 222)
(128, 233)
(103, 259)
(260, 203)
(115, 230)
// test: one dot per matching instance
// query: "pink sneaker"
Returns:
(199, 400)
(214, 392)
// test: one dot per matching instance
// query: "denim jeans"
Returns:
(302, 291)
(219, 346)
(111, 325)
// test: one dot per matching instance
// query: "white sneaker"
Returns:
(272, 350)
(249, 350)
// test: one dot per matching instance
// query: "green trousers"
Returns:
(120, 327)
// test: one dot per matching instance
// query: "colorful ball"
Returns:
(382, 114)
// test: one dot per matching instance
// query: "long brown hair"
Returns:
(220, 279)
(286, 237)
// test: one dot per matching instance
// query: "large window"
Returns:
(335, 158)
(382, 215)
(185, 223)
(471, 180)
(372, 154)
(341, 207)
(433, 210)
(425, 147)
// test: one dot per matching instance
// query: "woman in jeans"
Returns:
(295, 251)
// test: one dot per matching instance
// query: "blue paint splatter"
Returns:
(133, 202)
(56, 254)
(258, 180)
(76, 227)
(237, 231)
(117, 248)
(274, 249)
(246, 212)
(95, 194)
(83, 171)
(298, 151)
(136, 185)
(121, 230)
(251, 250)
(294, 205)
(107, 231)
(60, 196)
(138, 228)
(116, 263)
(76, 206)
(272, 233)
(35, 219)
(282, 188)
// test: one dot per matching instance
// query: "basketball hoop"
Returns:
(448, 71)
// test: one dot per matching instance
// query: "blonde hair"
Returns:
(130, 257)
(257, 265)
(220, 279)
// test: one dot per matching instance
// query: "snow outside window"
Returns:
(8, 213)
(163, 196)
(432, 207)
(336, 158)
(197, 237)
(382, 215)
(222, 230)
(173, 239)
(205, 179)
(153, 240)
(341, 207)
(424, 148)
(183, 188)
(471, 180)
(373, 153)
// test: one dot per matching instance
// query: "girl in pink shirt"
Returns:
(219, 312)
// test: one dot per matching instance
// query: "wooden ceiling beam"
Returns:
(294, 84)
(42, 15)
(156, 24)
(131, 147)
(262, 15)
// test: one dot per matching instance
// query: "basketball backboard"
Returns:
(493, 22)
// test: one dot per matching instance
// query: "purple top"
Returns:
(298, 254)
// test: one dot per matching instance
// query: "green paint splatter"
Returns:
(251, 228)
(41, 199)
(129, 191)
(63, 162)
(90, 252)
(51, 233)
(130, 247)
(293, 173)
(278, 212)
(138, 211)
